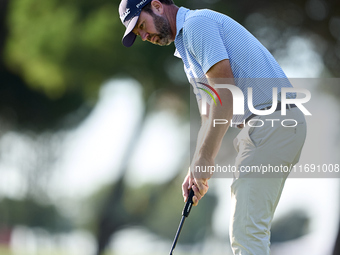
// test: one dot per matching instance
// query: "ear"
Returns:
(157, 7)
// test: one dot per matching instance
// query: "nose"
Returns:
(143, 35)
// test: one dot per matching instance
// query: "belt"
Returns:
(278, 108)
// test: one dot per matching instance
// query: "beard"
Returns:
(163, 28)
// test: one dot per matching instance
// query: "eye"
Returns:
(141, 26)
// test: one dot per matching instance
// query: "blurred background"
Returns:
(95, 137)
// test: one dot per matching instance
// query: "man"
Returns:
(213, 46)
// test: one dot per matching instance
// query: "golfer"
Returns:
(213, 46)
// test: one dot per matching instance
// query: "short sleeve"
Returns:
(203, 40)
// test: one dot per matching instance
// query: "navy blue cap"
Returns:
(129, 11)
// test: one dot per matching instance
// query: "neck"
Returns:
(171, 13)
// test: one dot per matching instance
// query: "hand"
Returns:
(186, 186)
(198, 181)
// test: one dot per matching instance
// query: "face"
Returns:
(153, 28)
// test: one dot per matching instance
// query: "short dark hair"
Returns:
(147, 8)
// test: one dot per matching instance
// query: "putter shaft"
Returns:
(185, 213)
(177, 234)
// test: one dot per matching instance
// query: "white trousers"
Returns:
(254, 196)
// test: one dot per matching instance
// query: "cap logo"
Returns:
(125, 14)
(141, 3)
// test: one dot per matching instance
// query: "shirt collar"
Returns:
(180, 18)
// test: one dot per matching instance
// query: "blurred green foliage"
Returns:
(60, 46)
(57, 47)
(30, 213)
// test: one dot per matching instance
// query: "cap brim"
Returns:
(130, 37)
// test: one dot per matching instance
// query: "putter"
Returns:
(185, 213)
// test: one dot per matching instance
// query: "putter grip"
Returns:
(188, 204)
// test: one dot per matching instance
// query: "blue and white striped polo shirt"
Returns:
(205, 37)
